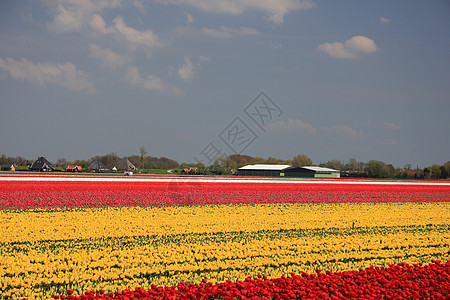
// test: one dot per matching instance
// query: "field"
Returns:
(228, 238)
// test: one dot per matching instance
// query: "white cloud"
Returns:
(66, 20)
(75, 15)
(42, 74)
(291, 124)
(140, 6)
(135, 37)
(108, 57)
(189, 19)
(153, 83)
(226, 32)
(384, 20)
(391, 126)
(352, 48)
(98, 24)
(186, 71)
(344, 130)
(204, 58)
(276, 46)
(72, 15)
(275, 10)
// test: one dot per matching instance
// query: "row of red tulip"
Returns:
(23, 194)
(402, 281)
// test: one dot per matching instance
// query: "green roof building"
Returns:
(287, 171)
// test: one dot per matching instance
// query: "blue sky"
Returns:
(362, 79)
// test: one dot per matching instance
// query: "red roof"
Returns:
(71, 167)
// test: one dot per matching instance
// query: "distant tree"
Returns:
(201, 168)
(20, 161)
(390, 171)
(62, 162)
(352, 165)
(109, 160)
(377, 169)
(445, 170)
(215, 169)
(241, 160)
(257, 160)
(82, 163)
(435, 171)
(301, 161)
(3, 159)
(165, 163)
(143, 154)
(229, 166)
(334, 164)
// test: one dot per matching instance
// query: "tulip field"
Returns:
(103, 237)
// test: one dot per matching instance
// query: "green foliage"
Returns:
(301, 161)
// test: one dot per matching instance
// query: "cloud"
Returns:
(98, 24)
(108, 57)
(135, 37)
(226, 32)
(73, 15)
(352, 48)
(344, 130)
(140, 6)
(189, 19)
(291, 125)
(204, 58)
(384, 20)
(66, 21)
(275, 10)
(391, 126)
(186, 71)
(42, 74)
(152, 83)
(276, 46)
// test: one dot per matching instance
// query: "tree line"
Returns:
(228, 165)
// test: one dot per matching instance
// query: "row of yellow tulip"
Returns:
(45, 252)
(84, 223)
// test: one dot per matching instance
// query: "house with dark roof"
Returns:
(8, 167)
(42, 165)
(97, 166)
(125, 165)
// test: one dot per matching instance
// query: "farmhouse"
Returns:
(287, 171)
(74, 168)
(8, 167)
(97, 166)
(42, 165)
(125, 165)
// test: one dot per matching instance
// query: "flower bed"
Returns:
(168, 236)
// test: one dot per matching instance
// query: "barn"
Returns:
(287, 171)
(263, 170)
(97, 166)
(125, 165)
(42, 165)
(312, 172)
